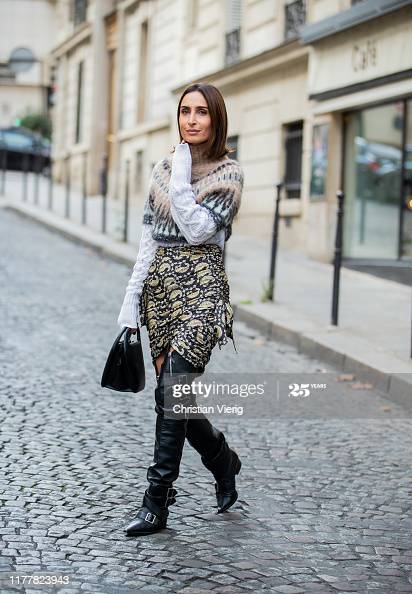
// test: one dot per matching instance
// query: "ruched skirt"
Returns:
(185, 302)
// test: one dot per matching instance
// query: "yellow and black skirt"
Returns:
(185, 302)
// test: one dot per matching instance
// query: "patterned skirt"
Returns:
(185, 302)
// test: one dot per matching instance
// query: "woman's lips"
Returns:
(193, 131)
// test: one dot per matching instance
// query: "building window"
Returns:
(138, 185)
(232, 37)
(295, 17)
(79, 102)
(142, 80)
(78, 10)
(232, 142)
(192, 14)
(293, 159)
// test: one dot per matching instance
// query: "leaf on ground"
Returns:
(361, 386)
(345, 377)
(386, 408)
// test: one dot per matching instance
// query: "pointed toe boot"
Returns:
(224, 466)
(226, 494)
(152, 516)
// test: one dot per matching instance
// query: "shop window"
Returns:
(293, 134)
(295, 17)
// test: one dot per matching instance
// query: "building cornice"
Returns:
(143, 128)
(362, 86)
(127, 5)
(255, 66)
(355, 15)
(80, 36)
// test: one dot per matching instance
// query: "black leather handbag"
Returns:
(124, 370)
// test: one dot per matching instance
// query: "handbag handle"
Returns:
(128, 333)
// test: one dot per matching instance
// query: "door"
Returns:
(406, 214)
(373, 171)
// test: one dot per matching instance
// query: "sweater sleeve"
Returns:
(222, 202)
(129, 313)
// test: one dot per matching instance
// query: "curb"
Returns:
(397, 387)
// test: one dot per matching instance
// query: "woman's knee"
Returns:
(159, 362)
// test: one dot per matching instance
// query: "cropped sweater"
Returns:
(191, 200)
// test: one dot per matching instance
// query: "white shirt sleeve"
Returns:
(129, 313)
(195, 222)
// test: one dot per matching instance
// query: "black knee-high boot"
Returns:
(222, 461)
(169, 441)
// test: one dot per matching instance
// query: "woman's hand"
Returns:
(182, 164)
(132, 330)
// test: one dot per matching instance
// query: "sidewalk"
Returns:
(373, 338)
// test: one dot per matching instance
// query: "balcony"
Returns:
(232, 48)
(295, 17)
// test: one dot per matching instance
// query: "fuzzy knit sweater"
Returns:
(191, 200)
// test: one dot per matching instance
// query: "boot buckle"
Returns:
(147, 517)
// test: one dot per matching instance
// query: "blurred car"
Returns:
(25, 146)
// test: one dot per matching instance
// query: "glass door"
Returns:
(406, 215)
(372, 180)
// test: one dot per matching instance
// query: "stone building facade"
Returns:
(291, 72)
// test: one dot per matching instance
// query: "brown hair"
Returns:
(216, 146)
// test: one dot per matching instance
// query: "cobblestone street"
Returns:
(324, 504)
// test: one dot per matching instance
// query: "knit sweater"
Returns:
(191, 200)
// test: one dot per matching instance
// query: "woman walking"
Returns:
(179, 290)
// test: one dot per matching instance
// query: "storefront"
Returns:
(360, 81)
(377, 181)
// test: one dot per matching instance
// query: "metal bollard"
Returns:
(50, 197)
(37, 167)
(67, 172)
(337, 258)
(84, 188)
(275, 235)
(126, 202)
(103, 191)
(3, 170)
(25, 176)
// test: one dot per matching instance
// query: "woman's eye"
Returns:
(202, 111)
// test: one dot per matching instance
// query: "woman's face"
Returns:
(194, 118)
